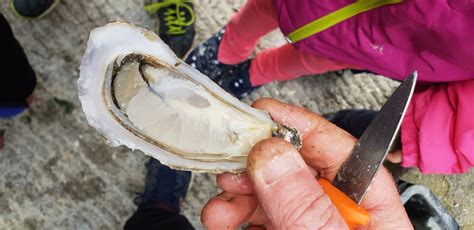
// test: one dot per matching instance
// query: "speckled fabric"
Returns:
(232, 78)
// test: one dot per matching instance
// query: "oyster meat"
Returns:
(136, 92)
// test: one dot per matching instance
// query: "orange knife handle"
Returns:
(349, 210)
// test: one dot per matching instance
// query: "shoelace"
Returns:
(174, 16)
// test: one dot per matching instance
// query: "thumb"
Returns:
(289, 194)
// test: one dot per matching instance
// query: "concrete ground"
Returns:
(58, 173)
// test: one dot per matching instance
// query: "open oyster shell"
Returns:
(136, 92)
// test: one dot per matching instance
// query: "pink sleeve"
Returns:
(438, 130)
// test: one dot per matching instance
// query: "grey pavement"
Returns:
(58, 173)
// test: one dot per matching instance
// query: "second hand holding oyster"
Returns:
(136, 92)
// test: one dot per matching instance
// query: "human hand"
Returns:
(279, 191)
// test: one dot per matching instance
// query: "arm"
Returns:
(438, 130)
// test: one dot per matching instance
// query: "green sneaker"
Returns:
(177, 20)
(33, 9)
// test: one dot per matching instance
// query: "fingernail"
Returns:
(279, 166)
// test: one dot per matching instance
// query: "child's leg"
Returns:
(255, 19)
(18, 78)
(285, 63)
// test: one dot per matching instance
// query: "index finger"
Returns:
(325, 146)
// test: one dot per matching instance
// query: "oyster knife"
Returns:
(358, 171)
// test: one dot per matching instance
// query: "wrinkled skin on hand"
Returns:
(279, 190)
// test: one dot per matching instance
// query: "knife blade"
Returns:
(358, 171)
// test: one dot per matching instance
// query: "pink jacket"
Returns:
(435, 38)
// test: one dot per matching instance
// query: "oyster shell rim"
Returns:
(112, 130)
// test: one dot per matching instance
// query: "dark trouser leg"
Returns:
(353, 121)
(157, 218)
(160, 201)
(18, 79)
